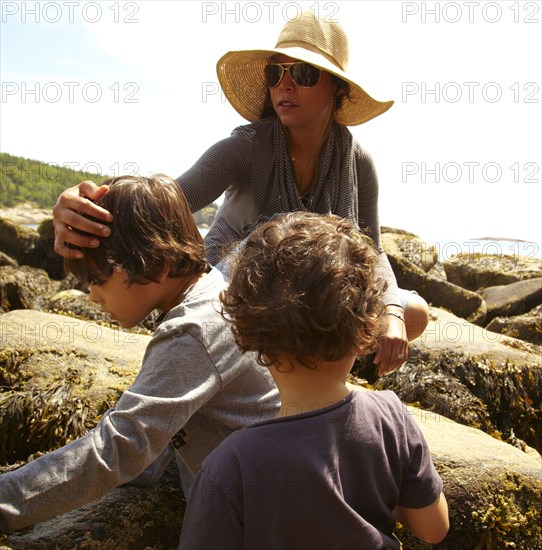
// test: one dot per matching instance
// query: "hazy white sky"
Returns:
(122, 86)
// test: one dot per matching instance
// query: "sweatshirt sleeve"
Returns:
(176, 379)
(219, 167)
(369, 221)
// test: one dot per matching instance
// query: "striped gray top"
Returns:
(253, 167)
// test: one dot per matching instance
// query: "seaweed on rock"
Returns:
(43, 419)
(503, 400)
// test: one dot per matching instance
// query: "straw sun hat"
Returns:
(323, 44)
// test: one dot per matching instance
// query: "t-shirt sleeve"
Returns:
(421, 484)
(176, 379)
(368, 219)
(214, 515)
(220, 166)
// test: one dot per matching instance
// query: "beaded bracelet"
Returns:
(395, 315)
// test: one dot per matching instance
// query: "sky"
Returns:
(119, 87)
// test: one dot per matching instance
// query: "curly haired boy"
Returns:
(337, 468)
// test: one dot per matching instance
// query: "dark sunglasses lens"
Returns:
(304, 74)
(273, 74)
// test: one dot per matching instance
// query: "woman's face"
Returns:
(303, 107)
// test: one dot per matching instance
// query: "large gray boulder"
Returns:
(18, 242)
(31, 248)
(411, 248)
(24, 287)
(60, 369)
(493, 489)
(438, 292)
(513, 299)
(447, 333)
(526, 327)
(477, 271)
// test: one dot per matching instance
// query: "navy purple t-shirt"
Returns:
(328, 479)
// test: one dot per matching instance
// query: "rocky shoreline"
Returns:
(473, 382)
(26, 214)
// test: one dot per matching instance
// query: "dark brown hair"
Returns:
(304, 285)
(152, 227)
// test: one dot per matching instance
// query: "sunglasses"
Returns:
(301, 73)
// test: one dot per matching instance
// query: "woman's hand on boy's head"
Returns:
(70, 211)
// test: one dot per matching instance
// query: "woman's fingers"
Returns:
(70, 218)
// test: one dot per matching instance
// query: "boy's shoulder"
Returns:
(198, 312)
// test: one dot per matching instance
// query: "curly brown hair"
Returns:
(304, 285)
(153, 226)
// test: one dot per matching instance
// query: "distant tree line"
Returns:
(38, 183)
(30, 181)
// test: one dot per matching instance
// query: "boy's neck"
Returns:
(304, 389)
(174, 290)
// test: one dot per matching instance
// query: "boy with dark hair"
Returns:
(337, 468)
(194, 387)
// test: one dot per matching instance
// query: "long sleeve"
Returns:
(368, 219)
(176, 379)
(219, 167)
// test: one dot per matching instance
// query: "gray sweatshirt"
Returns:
(194, 388)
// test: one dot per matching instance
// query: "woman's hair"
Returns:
(304, 285)
(152, 228)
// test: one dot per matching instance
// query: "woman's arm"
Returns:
(219, 167)
(393, 346)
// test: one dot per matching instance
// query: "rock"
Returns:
(513, 299)
(18, 242)
(476, 271)
(526, 327)
(24, 287)
(26, 214)
(503, 400)
(483, 379)
(7, 260)
(494, 490)
(76, 303)
(438, 271)
(31, 248)
(75, 368)
(46, 257)
(410, 248)
(438, 292)
(126, 518)
(491, 486)
(449, 333)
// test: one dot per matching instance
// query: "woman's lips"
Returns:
(287, 104)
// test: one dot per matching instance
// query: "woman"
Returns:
(297, 154)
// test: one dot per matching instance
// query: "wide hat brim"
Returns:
(241, 76)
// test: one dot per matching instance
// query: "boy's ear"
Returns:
(164, 273)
